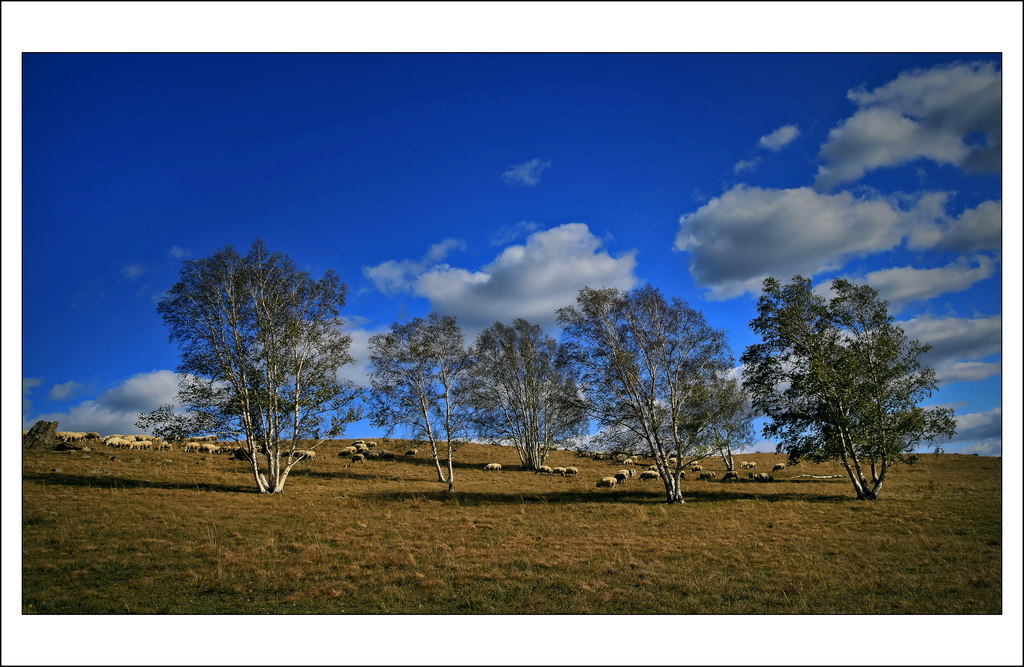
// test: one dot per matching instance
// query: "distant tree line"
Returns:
(262, 344)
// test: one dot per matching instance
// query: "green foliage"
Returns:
(523, 391)
(261, 344)
(838, 380)
(648, 366)
(418, 376)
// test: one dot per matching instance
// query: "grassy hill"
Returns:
(184, 533)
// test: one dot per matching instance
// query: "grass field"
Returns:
(184, 533)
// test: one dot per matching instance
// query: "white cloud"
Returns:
(983, 429)
(780, 138)
(959, 345)
(358, 371)
(510, 233)
(133, 271)
(393, 277)
(530, 281)
(976, 229)
(745, 165)
(934, 114)
(904, 285)
(749, 233)
(177, 252)
(527, 173)
(115, 410)
(62, 392)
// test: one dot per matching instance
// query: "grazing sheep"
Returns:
(307, 454)
(620, 478)
(730, 476)
(650, 474)
(571, 470)
(372, 455)
(358, 458)
(628, 462)
(191, 447)
(208, 448)
(347, 451)
(751, 464)
(624, 472)
(653, 466)
(371, 445)
(696, 468)
(778, 467)
(559, 470)
(761, 477)
(412, 452)
(708, 475)
(92, 435)
(548, 469)
(493, 466)
(385, 455)
(607, 481)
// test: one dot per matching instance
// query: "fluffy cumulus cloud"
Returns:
(748, 233)
(177, 252)
(359, 370)
(115, 410)
(531, 280)
(959, 345)
(527, 173)
(975, 229)
(27, 385)
(903, 285)
(948, 114)
(780, 138)
(983, 430)
(394, 277)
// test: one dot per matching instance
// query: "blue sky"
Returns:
(494, 186)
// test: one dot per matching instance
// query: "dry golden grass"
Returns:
(170, 532)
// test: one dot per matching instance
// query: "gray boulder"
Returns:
(43, 435)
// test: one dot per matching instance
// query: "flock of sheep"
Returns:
(651, 473)
(360, 451)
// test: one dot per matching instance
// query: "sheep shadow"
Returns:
(109, 480)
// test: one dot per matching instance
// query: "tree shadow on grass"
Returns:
(640, 496)
(108, 480)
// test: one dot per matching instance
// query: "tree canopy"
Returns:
(418, 375)
(647, 366)
(838, 379)
(261, 344)
(524, 391)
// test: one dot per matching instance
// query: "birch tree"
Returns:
(731, 428)
(524, 391)
(418, 375)
(839, 380)
(647, 365)
(261, 344)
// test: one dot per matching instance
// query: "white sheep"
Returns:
(730, 476)
(621, 477)
(558, 470)
(607, 481)
(412, 452)
(778, 467)
(650, 474)
(358, 458)
(708, 475)
(493, 466)
(347, 451)
(546, 469)
(572, 470)
(191, 447)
